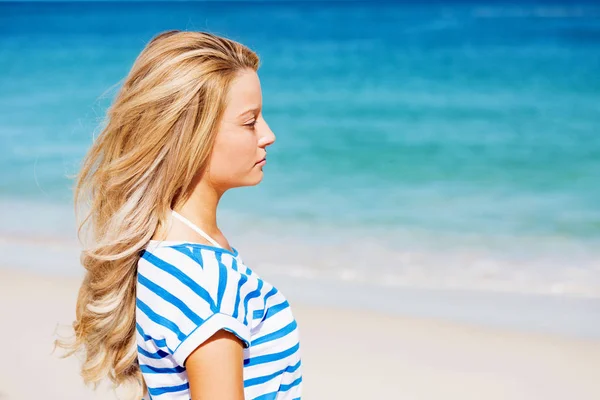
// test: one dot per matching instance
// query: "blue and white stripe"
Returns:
(188, 291)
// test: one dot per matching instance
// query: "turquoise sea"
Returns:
(439, 145)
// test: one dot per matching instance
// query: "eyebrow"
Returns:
(252, 110)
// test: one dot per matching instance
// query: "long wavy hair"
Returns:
(158, 135)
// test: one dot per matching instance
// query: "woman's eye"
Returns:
(251, 125)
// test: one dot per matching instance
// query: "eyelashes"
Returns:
(251, 126)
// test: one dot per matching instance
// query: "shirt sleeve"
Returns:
(186, 295)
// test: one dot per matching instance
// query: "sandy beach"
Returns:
(346, 354)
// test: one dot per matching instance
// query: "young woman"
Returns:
(166, 301)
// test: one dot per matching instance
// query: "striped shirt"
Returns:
(186, 292)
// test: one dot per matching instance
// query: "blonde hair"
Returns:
(159, 133)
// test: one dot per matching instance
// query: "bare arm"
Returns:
(215, 368)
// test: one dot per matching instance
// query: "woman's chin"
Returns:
(253, 179)
(257, 178)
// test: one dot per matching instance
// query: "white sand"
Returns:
(346, 355)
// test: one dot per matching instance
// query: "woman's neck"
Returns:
(201, 208)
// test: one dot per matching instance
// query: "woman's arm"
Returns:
(215, 368)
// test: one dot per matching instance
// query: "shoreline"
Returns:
(559, 314)
(554, 315)
(402, 258)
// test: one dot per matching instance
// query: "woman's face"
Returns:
(242, 138)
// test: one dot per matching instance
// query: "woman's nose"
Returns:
(267, 136)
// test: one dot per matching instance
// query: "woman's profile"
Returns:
(166, 302)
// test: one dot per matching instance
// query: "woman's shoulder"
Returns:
(195, 263)
(181, 253)
(183, 245)
(182, 286)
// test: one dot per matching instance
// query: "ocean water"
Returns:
(441, 145)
